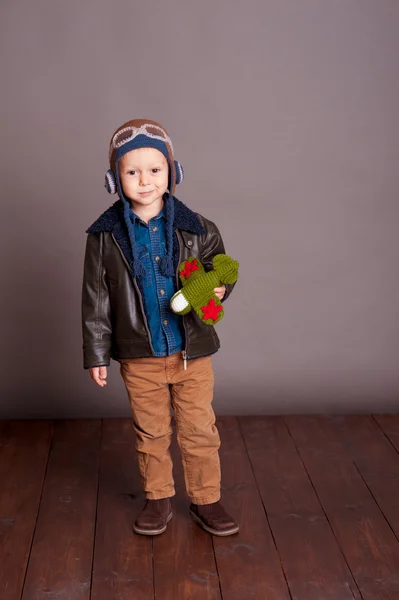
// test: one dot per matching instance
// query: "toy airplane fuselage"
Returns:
(198, 285)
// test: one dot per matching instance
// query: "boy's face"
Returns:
(144, 170)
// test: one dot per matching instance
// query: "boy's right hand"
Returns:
(99, 375)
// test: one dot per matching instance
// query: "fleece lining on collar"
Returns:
(184, 218)
(112, 220)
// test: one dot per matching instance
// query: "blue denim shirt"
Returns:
(166, 327)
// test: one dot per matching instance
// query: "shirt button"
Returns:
(162, 292)
(155, 228)
(157, 258)
(189, 243)
(165, 322)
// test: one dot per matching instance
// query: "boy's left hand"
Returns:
(220, 291)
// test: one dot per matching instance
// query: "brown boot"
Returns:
(154, 517)
(213, 518)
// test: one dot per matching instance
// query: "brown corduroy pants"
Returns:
(148, 382)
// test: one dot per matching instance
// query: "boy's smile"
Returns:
(143, 174)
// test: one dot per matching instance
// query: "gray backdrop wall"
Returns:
(285, 117)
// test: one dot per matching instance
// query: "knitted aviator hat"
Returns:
(144, 133)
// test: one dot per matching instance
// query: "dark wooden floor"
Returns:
(317, 499)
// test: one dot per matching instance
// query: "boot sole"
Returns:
(153, 531)
(230, 531)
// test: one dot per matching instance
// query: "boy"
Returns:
(130, 273)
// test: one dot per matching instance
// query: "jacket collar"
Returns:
(112, 219)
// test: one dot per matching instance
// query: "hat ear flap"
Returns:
(110, 183)
(179, 172)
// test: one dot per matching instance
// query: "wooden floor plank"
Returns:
(389, 423)
(184, 561)
(365, 537)
(311, 557)
(3, 427)
(122, 568)
(24, 449)
(61, 557)
(19, 432)
(248, 562)
(376, 460)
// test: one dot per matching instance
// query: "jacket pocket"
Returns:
(191, 248)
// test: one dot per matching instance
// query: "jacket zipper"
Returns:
(138, 292)
(183, 352)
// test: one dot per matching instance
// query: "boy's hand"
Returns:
(220, 291)
(99, 375)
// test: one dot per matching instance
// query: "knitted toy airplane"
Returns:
(198, 285)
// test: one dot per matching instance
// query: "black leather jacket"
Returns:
(114, 323)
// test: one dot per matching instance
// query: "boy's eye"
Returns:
(133, 172)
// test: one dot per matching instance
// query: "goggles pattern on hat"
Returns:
(127, 134)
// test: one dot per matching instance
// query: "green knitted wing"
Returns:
(211, 311)
(189, 270)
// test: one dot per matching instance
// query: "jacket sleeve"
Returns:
(212, 244)
(96, 309)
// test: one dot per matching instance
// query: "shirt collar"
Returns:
(161, 214)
